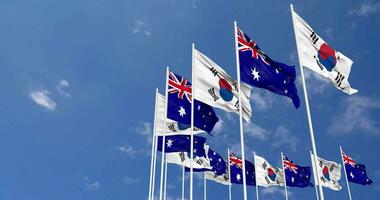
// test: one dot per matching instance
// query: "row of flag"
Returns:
(260, 172)
(176, 129)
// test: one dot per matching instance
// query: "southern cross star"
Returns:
(169, 143)
(182, 111)
(255, 74)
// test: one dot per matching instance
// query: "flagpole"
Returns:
(283, 169)
(192, 122)
(166, 176)
(240, 114)
(151, 187)
(257, 187)
(183, 182)
(307, 108)
(163, 136)
(204, 186)
(229, 174)
(314, 176)
(345, 173)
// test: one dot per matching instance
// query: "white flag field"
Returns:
(217, 89)
(329, 173)
(266, 174)
(172, 127)
(222, 179)
(317, 55)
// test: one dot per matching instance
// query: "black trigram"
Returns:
(237, 105)
(314, 37)
(214, 71)
(264, 165)
(182, 156)
(339, 79)
(199, 161)
(212, 93)
(172, 128)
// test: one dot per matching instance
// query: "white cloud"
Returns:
(127, 149)
(283, 138)
(256, 131)
(329, 34)
(61, 86)
(354, 114)
(218, 127)
(140, 27)
(91, 186)
(316, 83)
(41, 98)
(146, 130)
(270, 191)
(367, 8)
(130, 181)
(262, 100)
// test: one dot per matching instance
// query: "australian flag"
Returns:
(236, 171)
(217, 163)
(257, 69)
(179, 105)
(296, 176)
(181, 143)
(356, 173)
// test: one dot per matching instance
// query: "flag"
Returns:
(172, 127)
(179, 105)
(217, 163)
(217, 171)
(266, 174)
(217, 89)
(356, 173)
(295, 175)
(329, 173)
(181, 143)
(183, 159)
(257, 69)
(236, 170)
(320, 57)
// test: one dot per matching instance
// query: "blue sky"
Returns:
(78, 80)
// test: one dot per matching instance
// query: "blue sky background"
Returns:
(78, 80)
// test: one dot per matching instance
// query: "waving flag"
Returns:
(329, 173)
(179, 105)
(172, 127)
(356, 173)
(181, 143)
(216, 88)
(236, 171)
(320, 57)
(257, 69)
(266, 174)
(296, 176)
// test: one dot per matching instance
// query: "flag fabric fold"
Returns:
(172, 127)
(236, 170)
(295, 175)
(179, 105)
(266, 174)
(320, 57)
(259, 70)
(356, 173)
(183, 159)
(329, 173)
(217, 89)
(181, 143)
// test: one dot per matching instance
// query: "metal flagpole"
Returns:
(345, 173)
(152, 173)
(283, 169)
(183, 182)
(163, 136)
(229, 174)
(154, 166)
(314, 178)
(307, 107)
(240, 114)
(166, 176)
(257, 187)
(204, 186)
(192, 122)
